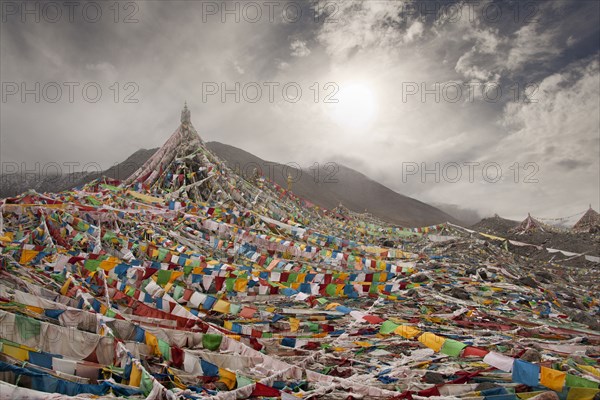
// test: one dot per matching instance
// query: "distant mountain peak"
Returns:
(185, 167)
(352, 188)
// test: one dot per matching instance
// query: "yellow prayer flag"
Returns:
(8, 237)
(294, 324)
(37, 310)
(221, 306)
(552, 378)
(240, 285)
(136, 376)
(108, 265)
(152, 341)
(65, 287)
(145, 197)
(432, 341)
(590, 369)
(406, 331)
(15, 352)
(175, 275)
(227, 377)
(576, 393)
(27, 256)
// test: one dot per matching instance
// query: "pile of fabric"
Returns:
(189, 281)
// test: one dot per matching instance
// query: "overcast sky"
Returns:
(476, 88)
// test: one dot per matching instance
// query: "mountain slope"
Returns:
(16, 183)
(326, 186)
(330, 185)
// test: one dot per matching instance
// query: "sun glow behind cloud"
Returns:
(356, 107)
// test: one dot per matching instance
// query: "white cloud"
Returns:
(108, 70)
(299, 48)
(494, 53)
(362, 25)
(414, 31)
(238, 68)
(559, 135)
(532, 45)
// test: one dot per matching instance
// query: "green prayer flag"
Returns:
(388, 327)
(164, 349)
(91, 265)
(163, 276)
(109, 187)
(330, 290)
(243, 381)
(178, 292)
(109, 235)
(234, 309)
(162, 253)
(93, 200)
(229, 282)
(576, 381)
(146, 383)
(28, 327)
(211, 341)
(452, 347)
